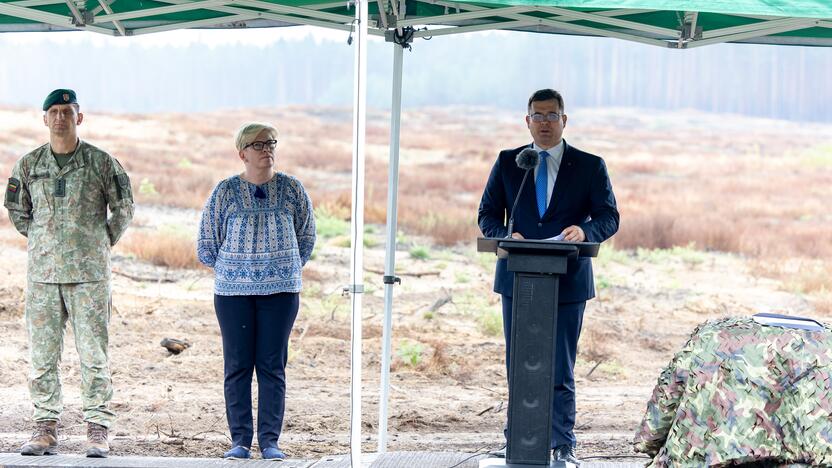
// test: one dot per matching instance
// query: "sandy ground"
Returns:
(681, 177)
(453, 399)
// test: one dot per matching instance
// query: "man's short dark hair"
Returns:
(546, 95)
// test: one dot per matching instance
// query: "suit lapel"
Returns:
(562, 181)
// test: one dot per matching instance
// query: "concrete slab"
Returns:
(8, 460)
(437, 460)
(405, 460)
(385, 460)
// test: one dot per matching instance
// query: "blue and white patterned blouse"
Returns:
(257, 237)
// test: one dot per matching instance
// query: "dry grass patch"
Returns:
(822, 303)
(762, 192)
(799, 275)
(447, 225)
(334, 204)
(596, 345)
(813, 277)
(664, 230)
(438, 362)
(328, 156)
(162, 249)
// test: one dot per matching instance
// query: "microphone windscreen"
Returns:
(528, 159)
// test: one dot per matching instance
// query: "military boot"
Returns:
(97, 445)
(44, 440)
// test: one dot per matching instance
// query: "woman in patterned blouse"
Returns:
(257, 231)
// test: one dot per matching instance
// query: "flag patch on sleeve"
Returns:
(12, 190)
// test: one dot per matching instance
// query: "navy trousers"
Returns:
(255, 336)
(570, 320)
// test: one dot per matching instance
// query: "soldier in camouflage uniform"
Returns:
(58, 197)
(742, 392)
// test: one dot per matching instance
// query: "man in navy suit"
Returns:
(572, 197)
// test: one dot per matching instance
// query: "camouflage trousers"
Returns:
(87, 306)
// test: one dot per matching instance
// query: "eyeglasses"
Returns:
(261, 145)
(551, 117)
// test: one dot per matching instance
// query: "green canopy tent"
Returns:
(665, 23)
(679, 24)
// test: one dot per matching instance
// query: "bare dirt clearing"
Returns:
(448, 383)
(453, 399)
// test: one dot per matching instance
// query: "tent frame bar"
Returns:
(295, 11)
(356, 287)
(242, 14)
(106, 7)
(193, 24)
(581, 16)
(100, 7)
(63, 22)
(561, 15)
(520, 20)
(187, 6)
(210, 4)
(752, 34)
(34, 3)
(390, 250)
(79, 18)
(601, 32)
(486, 13)
(480, 27)
(760, 26)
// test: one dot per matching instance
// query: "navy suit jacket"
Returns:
(582, 196)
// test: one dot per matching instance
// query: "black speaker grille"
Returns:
(530, 377)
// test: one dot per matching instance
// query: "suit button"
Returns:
(539, 224)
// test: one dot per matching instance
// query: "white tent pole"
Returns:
(356, 287)
(390, 253)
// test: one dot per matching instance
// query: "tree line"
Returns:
(477, 70)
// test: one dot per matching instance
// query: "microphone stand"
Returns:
(519, 192)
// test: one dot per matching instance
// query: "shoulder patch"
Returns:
(12, 190)
(123, 186)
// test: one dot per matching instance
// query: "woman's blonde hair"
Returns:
(249, 131)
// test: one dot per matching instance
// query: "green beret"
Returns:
(59, 96)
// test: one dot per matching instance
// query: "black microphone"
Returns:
(527, 159)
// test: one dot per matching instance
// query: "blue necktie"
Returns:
(541, 183)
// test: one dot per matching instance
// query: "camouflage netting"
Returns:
(740, 392)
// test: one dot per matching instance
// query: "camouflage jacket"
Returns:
(63, 212)
(741, 392)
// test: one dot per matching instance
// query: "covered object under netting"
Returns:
(740, 391)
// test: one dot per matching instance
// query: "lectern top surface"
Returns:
(581, 249)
